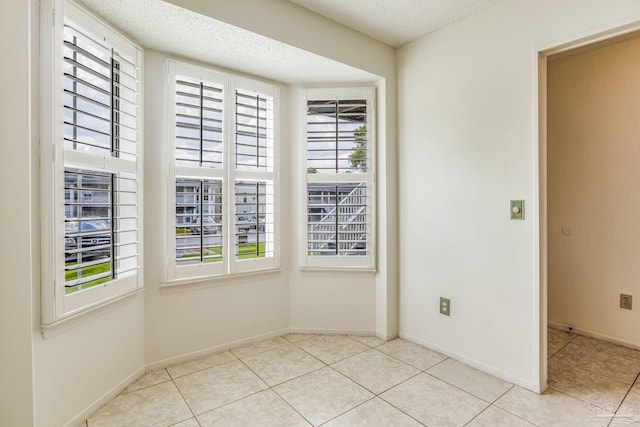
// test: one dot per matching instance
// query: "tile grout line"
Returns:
(184, 400)
(342, 413)
(420, 371)
(290, 405)
(272, 388)
(587, 348)
(624, 398)
(563, 346)
(147, 386)
(285, 400)
(493, 404)
(377, 395)
(401, 382)
(409, 364)
(339, 360)
(201, 370)
(354, 381)
(468, 392)
(278, 338)
(269, 387)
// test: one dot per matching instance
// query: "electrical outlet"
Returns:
(626, 301)
(445, 306)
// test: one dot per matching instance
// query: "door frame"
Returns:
(542, 53)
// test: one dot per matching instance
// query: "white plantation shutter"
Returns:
(199, 122)
(197, 150)
(339, 165)
(254, 178)
(95, 198)
(222, 168)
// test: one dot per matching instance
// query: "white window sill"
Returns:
(49, 330)
(363, 271)
(216, 280)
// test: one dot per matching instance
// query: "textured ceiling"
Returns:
(395, 22)
(165, 27)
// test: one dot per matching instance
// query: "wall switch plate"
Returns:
(516, 208)
(626, 301)
(445, 306)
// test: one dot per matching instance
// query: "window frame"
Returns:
(55, 159)
(229, 266)
(340, 262)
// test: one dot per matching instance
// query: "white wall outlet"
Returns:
(445, 306)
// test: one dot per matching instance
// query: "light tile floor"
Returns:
(333, 381)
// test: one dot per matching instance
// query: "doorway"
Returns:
(589, 128)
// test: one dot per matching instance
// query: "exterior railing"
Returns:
(342, 230)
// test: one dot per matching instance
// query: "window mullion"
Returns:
(257, 131)
(112, 202)
(201, 120)
(258, 218)
(337, 217)
(201, 221)
(115, 106)
(337, 135)
(74, 84)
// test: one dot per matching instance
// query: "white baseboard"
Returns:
(587, 333)
(324, 331)
(105, 398)
(215, 349)
(536, 388)
(239, 343)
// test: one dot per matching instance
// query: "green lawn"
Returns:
(213, 250)
(249, 251)
(71, 275)
(244, 252)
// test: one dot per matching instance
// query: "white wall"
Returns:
(16, 363)
(468, 144)
(192, 318)
(89, 361)
(321, 301)
(594, 240)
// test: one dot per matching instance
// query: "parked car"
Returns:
(89, 236)
(245, 223)
(210, 226)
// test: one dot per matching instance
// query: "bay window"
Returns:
(221, 158)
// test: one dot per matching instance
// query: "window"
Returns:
(93, 195)
(339, 165)
(221, 158)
